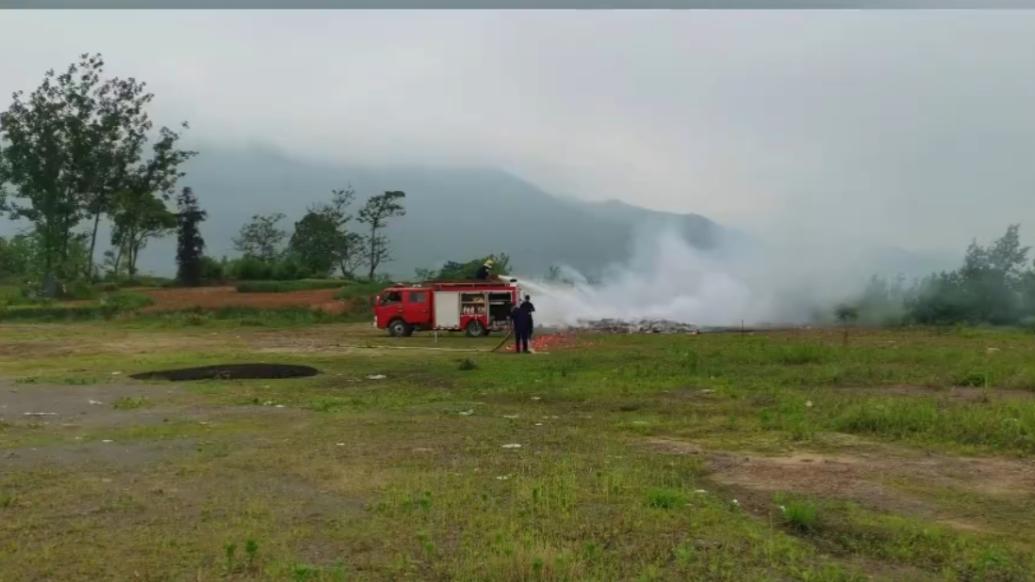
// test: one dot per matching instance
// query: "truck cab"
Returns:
(401, 310)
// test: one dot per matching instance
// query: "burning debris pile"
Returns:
(639, 326)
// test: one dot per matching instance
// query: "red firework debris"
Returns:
(549, 342)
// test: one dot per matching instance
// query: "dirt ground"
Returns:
(221, 297)
(36, 404)
(880, 477)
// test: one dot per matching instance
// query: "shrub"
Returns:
(80, 290)
(665, 498)
(248, 268)
(800, 515)
(212, 270)
(127, 300)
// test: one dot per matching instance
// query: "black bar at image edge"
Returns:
(522, 4)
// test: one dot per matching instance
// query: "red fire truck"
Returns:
(476, 307)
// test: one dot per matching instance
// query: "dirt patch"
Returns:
(35, 349)
(231, 372)
(36, 404)
(883, 478)
(98, 454)
(220, 297)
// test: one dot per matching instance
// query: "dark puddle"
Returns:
(231, 372)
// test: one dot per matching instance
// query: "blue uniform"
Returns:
(522, 320)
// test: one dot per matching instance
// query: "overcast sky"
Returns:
(914, 129)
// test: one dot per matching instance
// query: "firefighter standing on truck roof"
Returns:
(484, 271)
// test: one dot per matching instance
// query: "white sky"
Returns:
(906, 128)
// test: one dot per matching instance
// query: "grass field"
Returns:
(903, 455)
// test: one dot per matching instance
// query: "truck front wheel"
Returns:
(399, 328)
(475, 328)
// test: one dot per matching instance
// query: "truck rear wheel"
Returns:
(399, 328)
(475, 328)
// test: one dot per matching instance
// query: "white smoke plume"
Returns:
(667, 278)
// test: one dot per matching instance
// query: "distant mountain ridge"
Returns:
(457, 214)
(452, 213)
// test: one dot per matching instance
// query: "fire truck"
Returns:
(475, 307)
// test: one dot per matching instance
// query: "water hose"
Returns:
(510, 334)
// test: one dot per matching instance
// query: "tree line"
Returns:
(322, 242)
(994, 285)
(82, 149)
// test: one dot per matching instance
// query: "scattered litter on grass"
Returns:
(502, 477)
(466, 412)
(699, 491)
(107, 441)
(40, 414)
(116, 373)
(539, 424)
(511, 446)
(339, 444)
(376, 377)
(735, 503)
(510, 416)
(95, 402)
(536, 398)
(808, 404)
(991, 350)
(279, 406)
(268, 403)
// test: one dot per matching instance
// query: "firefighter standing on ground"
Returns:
(529, 309)
(521, 317)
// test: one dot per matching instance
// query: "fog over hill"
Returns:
(452, 213)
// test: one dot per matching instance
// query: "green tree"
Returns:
(138, 217)
(113, 143)
(190, 246)
(17, 256)
(67, 149)
(375, 214)
(314, 243)
(260, 238)
(348, 245)
(37, 153)
(992, 286)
